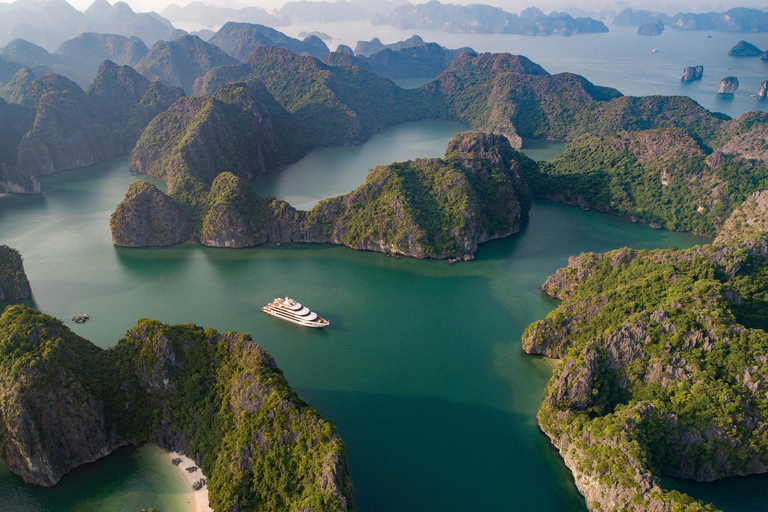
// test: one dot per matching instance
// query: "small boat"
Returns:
(291, 311)
(80, 318)
(654, 50)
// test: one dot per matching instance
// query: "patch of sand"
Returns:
(197, 499)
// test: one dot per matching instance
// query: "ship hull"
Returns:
(277, 313)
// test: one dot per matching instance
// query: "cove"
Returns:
(421, 368)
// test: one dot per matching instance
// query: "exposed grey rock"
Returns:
(728, 85)
(692, 73)
(763, 90)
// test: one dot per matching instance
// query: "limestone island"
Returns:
(436, 208)
(664, 366)
(217, 398)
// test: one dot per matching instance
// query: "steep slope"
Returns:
(71, 128)
(13, 91)
(663, 366)
(424, 208)
(332, 103)
(182, 61)
(242, 130)
(218, 398)
(14, 284)
(241, 39)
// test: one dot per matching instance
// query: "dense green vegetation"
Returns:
(217, 397)
(437, 208)
(661, 176)
(242, 130)
(664, 368)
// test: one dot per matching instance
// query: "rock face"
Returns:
(728, 85)
(425, 208)
(692, 73)
(148, 218)
(412, 58)
(632, 399)
(16, 181)
(763, 93)
(218, 398)
(749, 220)
(14, 284)
(745, 49)
(52, 414)
(654, 28)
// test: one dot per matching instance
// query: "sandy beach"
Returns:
(198, 500)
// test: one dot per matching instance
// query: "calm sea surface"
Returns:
(421, 368)
(620, 58)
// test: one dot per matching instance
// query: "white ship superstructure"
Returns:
(291, 311)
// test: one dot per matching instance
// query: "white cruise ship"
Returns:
(291, 311)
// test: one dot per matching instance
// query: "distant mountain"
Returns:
(211, 16)
(78, 59)
(239, 40)
(485, 19)
(412, 58)
(122, 20)
(58, 126)
(48, 23)
(739, 19)
(182, 61)
(31, 56)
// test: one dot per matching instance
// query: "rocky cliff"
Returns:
(148, 218)
(728, 85)
(692, 73)
(663, 366)
(13, 280)
(424, 208)
(15, 181)
(218, 398)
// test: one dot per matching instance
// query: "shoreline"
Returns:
(198, 500)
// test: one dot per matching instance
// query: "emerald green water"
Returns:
(421, 368)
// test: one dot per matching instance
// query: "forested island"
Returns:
(663, 366)
(218, 398)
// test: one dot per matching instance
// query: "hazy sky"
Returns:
(509, 5)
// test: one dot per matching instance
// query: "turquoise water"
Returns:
(421, 368)
(129, 480)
